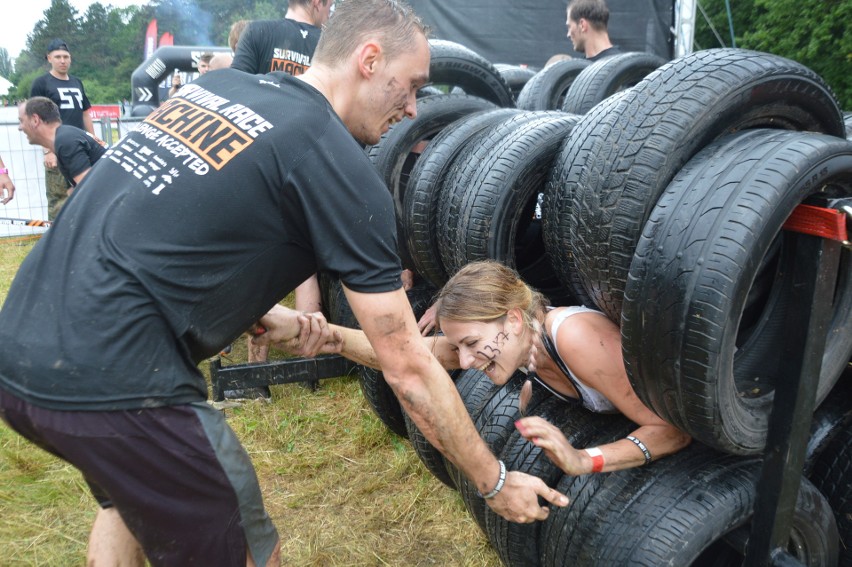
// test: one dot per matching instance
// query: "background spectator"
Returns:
(68, 93)
(587, 28)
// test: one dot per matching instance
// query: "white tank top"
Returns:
(592, 399)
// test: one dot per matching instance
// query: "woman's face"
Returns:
(497, 347)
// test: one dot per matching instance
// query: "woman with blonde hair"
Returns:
(492, 320)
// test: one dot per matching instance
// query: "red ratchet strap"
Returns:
(818, 221)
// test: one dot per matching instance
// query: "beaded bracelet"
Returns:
(500, 482)
(642, 448)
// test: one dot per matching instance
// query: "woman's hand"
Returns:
(543, 434)
(426, 324)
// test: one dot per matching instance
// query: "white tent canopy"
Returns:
(5, 85)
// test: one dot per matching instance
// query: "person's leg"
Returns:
(184, 485)
(274, 558)
(111, 544)
(256, 353)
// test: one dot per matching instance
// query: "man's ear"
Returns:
(368, 58)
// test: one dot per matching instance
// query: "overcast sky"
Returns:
(19, 18)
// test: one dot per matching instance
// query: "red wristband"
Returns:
(597, 459)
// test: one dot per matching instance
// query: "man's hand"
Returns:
(296, 332)
(518, 501)
(50, 160)
(7, 189)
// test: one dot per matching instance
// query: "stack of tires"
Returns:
(657, 193)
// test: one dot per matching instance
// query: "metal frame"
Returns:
(294, 370)
(815, 272)
(684, 27)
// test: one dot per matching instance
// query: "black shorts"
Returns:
(178, 476)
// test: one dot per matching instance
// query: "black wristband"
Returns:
(642, 448)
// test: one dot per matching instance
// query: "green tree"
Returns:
(106, 46)
(6, 67)
(112, 52)
(712, 28)
(811, 32)
(60, 21)
(262, 10)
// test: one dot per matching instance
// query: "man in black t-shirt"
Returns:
(283, 45)
(99, 361)
(68, 93)
(76, 150)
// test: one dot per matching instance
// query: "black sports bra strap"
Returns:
(554, 354)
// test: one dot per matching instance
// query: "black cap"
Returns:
(57, 44)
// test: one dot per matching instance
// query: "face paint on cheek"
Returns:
(492, 351)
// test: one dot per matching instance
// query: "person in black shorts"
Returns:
(76, 150)
(99, 362)
(68, 93)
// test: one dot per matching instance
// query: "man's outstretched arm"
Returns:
(428, 395)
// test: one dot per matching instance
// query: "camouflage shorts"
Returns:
(57, 191)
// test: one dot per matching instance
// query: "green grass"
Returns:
(340, 488)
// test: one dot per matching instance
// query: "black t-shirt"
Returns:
(69, 96)
(76, 151)
(190, 228)
(276, 45)
(614, 50)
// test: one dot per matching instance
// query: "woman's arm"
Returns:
(357, 348)
(281, 331)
